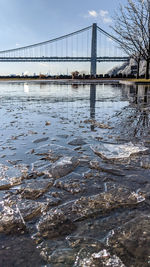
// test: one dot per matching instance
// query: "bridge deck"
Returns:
(62, 59)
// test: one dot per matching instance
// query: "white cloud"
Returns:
(102, 15)
(92, 13)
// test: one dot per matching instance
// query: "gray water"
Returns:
(74, 169)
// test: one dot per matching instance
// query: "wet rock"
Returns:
(62, 167)
(101, 258)
(116, 152)
(145, 163)
(108, 168)
(52, 201)
(72, 183)
(54, 224)
(11, 221)
(40, 140)
(79, 141)
(11, 176)
(23, 250)
(131, 241)
(98, 124)
(29, 209)
(35, 188)
(47, 123)
(112, 198)
(39, 166)
(53, 152)
(64, 256)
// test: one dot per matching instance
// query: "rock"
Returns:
(108, 168)
(145, 163)
(79, 141)
(116, 152)
(131, 241)
(16, 211)
(54, 224)
(52, 152)
(62, 167)
(72, 183)
(11, 176)
(11, 221)
(47, 123)
(29, 209)
(64, 256)
(22, 248)
(98, 124)
(40, 140)
(35, 188)
(101, 258)
(112, 198)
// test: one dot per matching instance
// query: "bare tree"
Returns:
(132, 26)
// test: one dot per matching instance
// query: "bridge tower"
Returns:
(94, 50)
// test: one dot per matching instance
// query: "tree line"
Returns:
(132, 27)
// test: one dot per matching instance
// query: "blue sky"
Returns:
(25, 22)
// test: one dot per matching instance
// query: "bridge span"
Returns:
(67, 48)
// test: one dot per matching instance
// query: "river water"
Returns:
(74, 174)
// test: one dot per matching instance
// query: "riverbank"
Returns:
(77, 81)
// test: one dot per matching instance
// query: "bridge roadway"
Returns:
(63, 59)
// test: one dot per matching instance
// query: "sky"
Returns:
(24, 22)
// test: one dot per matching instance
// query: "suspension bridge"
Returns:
(91, 44)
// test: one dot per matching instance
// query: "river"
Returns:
(74, 174)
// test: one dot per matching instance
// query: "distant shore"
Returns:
(76, 81)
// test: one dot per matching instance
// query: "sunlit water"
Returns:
(36, 114)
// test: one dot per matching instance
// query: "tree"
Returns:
(132, 26)
(74, 74)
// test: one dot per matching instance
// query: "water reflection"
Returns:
(92, 103)
(26, 88)
(137, 118)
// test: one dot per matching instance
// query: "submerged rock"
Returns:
(115, 151)
(11, 176)
(11, 221)
(62, 167)
(72, 183)
(131, 241)
(35, 188)
(101, 258)
(16, 211)
(98, 124)
(53, 152)
(54, 224)
(40, 140)
(79, 141)
(145, 163)
(112, 198)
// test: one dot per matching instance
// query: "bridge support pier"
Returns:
(94, 51)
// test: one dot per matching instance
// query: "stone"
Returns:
(116, 151)
(79, 141)
(35, 188)
(62, 167)
(40, 140)
(131, 241)
(97, 259)
(53, 152)
(98, 124)
(72, 183)
(145, 163)
(54, 224)
(112, 198)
